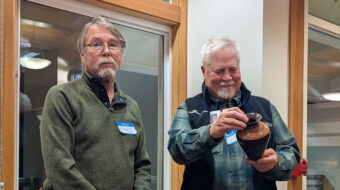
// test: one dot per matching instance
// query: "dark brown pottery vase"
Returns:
(254, 138)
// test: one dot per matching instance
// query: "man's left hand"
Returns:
(267, 162)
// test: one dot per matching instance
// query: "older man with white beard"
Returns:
(92, 133)
(203, 132)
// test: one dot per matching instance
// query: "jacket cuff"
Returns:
(207, 138)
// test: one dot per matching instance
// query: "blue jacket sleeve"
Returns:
(186, 144)
(286, 148)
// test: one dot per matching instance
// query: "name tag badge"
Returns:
(126, 128)
(214, 115)
(231, 137)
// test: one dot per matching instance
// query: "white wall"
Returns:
(275, 54)
(238, 20)
(275, 57)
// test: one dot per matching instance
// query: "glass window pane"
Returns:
(49, 34)
(328, 10)
(139, 78)
(42, 38)
(323, 131)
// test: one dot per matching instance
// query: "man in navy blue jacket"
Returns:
(202, 135)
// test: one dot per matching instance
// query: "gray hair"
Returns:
(102, 22)
(215, 44)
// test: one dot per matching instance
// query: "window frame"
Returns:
(173, 15)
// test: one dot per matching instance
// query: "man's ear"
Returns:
(203, 69)
(82, 56)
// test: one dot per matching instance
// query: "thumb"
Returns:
(268, 152)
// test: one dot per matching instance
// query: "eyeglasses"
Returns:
(99, 46)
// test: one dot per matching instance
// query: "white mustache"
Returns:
(223, 83)
(108, 60)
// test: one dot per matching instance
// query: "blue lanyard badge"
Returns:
(231, 137)
(126, 128)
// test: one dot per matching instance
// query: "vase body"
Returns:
(255, 137)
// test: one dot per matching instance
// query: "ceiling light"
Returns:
(34, 62)
(29, 60)
(333, 96)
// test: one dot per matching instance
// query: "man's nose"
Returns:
(106, 50)
(226, 76)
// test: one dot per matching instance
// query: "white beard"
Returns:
(106, 74)
(227, 92)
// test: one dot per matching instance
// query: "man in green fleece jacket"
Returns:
(91, 132)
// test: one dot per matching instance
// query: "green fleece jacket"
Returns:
(85, 146)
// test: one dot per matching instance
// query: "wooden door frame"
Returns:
(296, 78)
(9, 93)
(173, 15)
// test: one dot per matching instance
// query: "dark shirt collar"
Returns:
(222, 104)
(97, 87)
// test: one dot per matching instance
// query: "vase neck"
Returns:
(252, 123)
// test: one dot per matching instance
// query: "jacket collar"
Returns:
(94, 84)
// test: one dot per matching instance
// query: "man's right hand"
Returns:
(229, 119)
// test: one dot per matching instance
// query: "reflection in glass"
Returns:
(323, 132)
(50, 33)
(326, 10)
(46, 34)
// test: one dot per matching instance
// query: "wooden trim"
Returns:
(296, 73)
(179, 79)
(10, 83)
(153, 10)
(1, 95)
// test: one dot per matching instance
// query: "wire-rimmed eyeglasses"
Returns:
(99, 46)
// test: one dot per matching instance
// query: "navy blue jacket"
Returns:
(199, 175)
